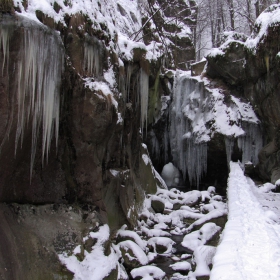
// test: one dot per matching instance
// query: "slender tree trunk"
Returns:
(257, 7)
(249, 18)
(231, 14)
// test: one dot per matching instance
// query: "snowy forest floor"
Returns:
(192, 235)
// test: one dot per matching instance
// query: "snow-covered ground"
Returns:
(180, 242)
(250, 245)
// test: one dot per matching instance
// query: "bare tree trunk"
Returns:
(249, 15)
(231, 14)
(257, 7)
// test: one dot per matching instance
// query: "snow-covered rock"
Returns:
(148, 272)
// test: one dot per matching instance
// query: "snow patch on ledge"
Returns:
(250, 244)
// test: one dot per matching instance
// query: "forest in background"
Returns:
(215, 17)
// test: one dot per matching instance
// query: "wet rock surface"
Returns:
(33, 236)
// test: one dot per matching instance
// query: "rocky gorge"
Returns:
(83, 86)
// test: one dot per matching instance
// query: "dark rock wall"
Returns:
(97, 163)
(91, 140)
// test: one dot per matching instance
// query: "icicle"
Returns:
(38, 78)
(4, 43)
(250, 143)
(166, 144)
(127, 83)
(229, 142)
(6, 30)
(92, 57)
(155, 147)
(144, 97)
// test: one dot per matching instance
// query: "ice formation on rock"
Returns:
(37, 76)
(127, 83)
(197, 112)
(4, 43)
(144, 97)
(189, 155)
(250, 143)
(92, 57)
(171, 175)
(229, 142)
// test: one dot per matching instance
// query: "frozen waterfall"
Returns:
(188, 152)
(37, 75)
(250, 143)
(199, 111)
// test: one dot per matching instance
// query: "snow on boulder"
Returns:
(161, 245)
(181, 266)
(155, 232)
(203, 256)
(213, 204)
(200, 237)
(267, 187)
(177, 218)
(123, 235)
(217, 198)
(148, 272)
(211, 190)
(217, 216)
(205, 196)
(192, 240)
(267, 19)
(192, 198)
(171, 175)
(132, 254)
(96, 265)
(207, 208)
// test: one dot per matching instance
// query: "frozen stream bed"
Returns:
(193, 235)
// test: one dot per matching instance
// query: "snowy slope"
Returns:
(250, 245)
(122, 20)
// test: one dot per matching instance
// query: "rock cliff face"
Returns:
(250, 69)
(74, 107)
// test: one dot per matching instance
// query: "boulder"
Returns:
(157, 205)
(133, 256)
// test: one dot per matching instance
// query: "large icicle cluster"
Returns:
(197, 113)
(188, 152)
(37, 76)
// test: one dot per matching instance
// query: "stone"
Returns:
(113, 275)
(198, 67)
(133, 256)
(157, 205)
(177, 206)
